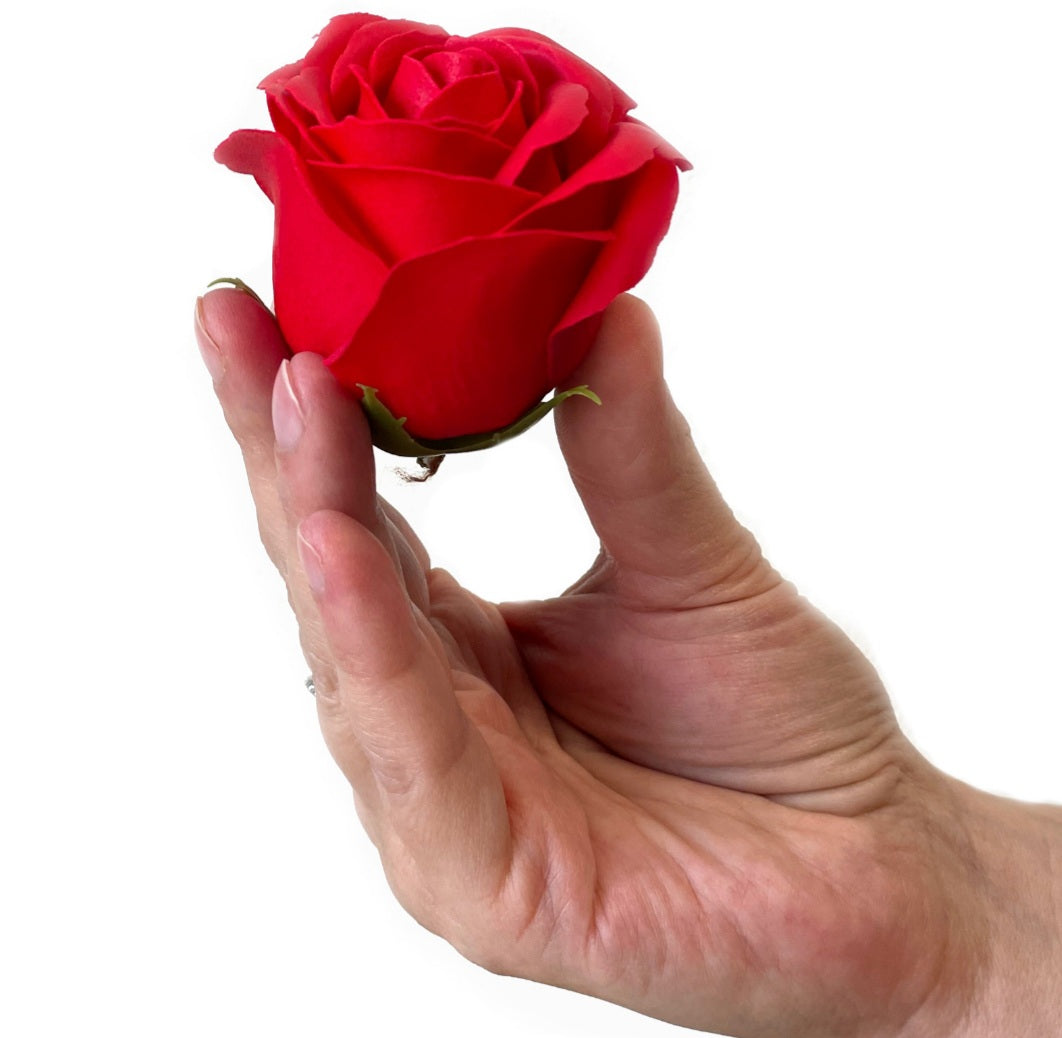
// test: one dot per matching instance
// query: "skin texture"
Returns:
(676, 786)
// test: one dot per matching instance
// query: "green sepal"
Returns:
(242, 286)
(389, 433)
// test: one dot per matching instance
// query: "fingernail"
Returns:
(288, 420)
(311, 564)
(212, 358)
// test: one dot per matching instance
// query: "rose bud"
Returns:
(452, 217)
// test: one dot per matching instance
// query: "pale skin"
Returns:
(676, 786)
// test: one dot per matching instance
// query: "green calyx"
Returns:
(389, 433)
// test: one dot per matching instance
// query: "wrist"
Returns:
(1016, 889)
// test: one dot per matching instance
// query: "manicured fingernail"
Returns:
(212, 358)
(288, 419)
(311, 564)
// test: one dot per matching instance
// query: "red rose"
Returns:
(452, 214)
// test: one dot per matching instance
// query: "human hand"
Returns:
(676, 786)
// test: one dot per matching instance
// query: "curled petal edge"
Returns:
(389, 434)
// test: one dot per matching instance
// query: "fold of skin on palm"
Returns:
(676, 786)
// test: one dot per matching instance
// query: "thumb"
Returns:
(664, 527)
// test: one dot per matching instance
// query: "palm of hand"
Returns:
(657, 884)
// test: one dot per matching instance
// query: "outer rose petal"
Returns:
(630, 147)
(324, 282)
(642, 223)
(305, 97)
(317, 65)
(335, 37)
(293, 118)
(408, 212)
(403, 144)
(456, 343)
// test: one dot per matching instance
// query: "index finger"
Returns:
(242, 348)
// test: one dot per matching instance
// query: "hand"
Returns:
(676, 786)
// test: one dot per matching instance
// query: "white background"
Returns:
(860, 298)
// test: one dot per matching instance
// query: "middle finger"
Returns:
(324, 461)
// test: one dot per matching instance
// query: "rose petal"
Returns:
(630, 147)
(533, 47)
(594, 208)
(388, 55)
(511, 125)
(276, 81)
(663, 149)
(359, 59)
(300, 106)
(335, 38)
(477, 100)
(309, 91)
(314, 93)
(514, 69)
(412, 211)
(448, 66)
(482, 311)
(570, 344)
(373, 43)
(324, 281)
(398, 143)
(642, 223)
(551, 63)
(564, 110)
(357, 97)
(289, 120)
(329, 44)
(412, 89)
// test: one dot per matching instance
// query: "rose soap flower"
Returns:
(453, 215)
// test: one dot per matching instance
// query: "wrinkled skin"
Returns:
(676, 786)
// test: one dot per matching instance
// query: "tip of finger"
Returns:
(233, 319)
(627, 350)
(326, 527)
(308, 363)
(222, 301)
(629, 326)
